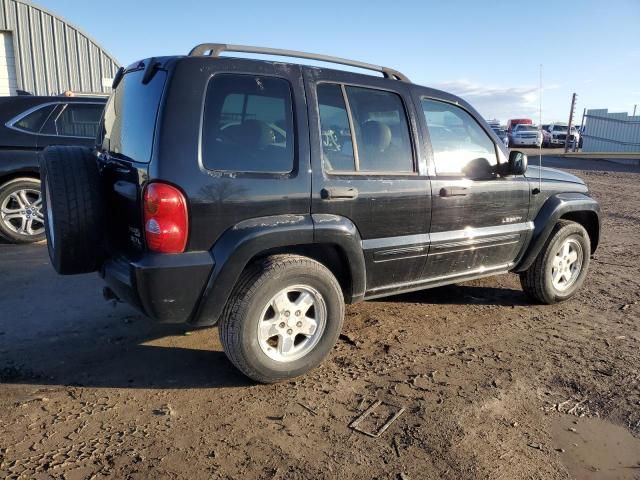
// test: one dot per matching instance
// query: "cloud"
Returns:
(497, 102)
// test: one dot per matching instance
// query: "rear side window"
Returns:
(248, 124)
(363, 130)
(77, 120)
(460, 145)
(129, 121)
(337, 147)
(382, 133)
(33, 121)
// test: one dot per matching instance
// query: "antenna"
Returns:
(540, 124)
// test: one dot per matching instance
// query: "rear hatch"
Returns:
(125, 148)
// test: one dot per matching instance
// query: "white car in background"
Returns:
(558, 133)
(526, 136)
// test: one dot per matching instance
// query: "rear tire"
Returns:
(561, 266)
(74, 212)
(21, 211)
(267, 328)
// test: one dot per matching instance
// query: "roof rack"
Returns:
(215, 49)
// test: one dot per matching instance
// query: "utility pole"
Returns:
(573, 107)
(634, 109)
(576, 145)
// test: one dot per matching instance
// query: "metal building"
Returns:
(44, 55)
(606, 131)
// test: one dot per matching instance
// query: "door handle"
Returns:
(453, 191)
(339, 193)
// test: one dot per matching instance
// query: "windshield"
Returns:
(559, 128)
(526, 128)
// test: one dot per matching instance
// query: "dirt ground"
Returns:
(493, 386)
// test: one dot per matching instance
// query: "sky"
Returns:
(488, 52)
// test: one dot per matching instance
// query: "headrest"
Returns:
(252, 133)
(376, 135)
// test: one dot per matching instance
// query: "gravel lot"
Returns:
(493, 386)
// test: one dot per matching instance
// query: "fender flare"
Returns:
(554, 208)
(342, 232)
(239, 244)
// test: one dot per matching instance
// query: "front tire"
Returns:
(561, 266)
(283, 318)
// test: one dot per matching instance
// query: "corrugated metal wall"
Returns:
(611, 132)
(52, 56)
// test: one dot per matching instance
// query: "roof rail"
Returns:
(215, 49)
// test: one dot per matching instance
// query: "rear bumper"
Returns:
(166, 288)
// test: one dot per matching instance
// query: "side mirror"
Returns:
(518, 163)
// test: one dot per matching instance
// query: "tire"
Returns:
(538, 280)
(21, 211)
(74, 210)
(252, 304)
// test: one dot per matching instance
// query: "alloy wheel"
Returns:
(292, 323)
(21, 212)
(567, 265)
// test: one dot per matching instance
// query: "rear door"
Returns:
(367, 168)
(479, 220)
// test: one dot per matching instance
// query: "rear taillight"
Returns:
(166, 220)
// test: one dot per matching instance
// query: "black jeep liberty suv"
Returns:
(262, 196)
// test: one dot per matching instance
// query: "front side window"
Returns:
(248, 125)
(460, 146)
(78, 120)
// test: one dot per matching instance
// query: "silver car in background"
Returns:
(526, 136)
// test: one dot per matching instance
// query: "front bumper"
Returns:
(560, 141)
(525, 141)
(164, 287)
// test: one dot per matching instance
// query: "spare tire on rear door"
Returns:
(74, 211)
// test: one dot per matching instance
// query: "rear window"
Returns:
(248, 125)
(130, 116)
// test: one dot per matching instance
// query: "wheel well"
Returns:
(589, 220)
(331, 256)
(13, 175)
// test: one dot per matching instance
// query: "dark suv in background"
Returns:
(28, 124)
(262, 196)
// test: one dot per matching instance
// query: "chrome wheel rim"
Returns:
(21, 212)
(567, 264)
(292, 323)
